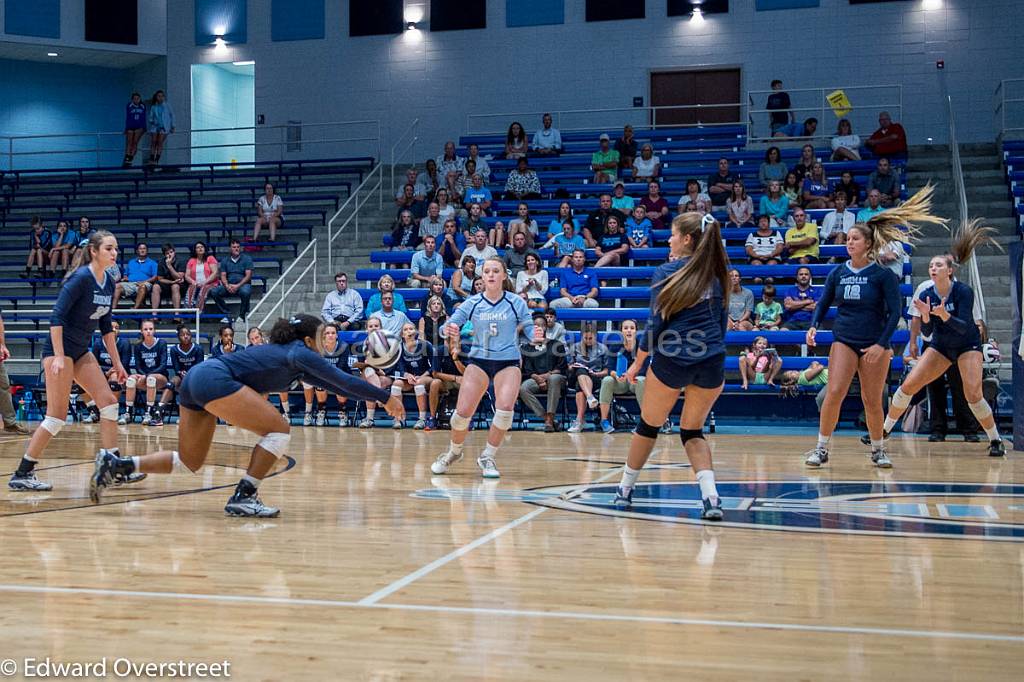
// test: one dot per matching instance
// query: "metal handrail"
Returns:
(973, 276)
(354, 197)
(651, 112)
(1002, 104)
(821, 107)
(410, 145)
(280, 280)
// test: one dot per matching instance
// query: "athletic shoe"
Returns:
(27, 482)
(420, 425)
(997, 448)
(249, 505)
(866, 439)
(667, 426)
(591, 402)
(367, 423)
(712, 509)
(430, 425)
(343, 419)
(321, 417)
(623, 497)
(102, 475)
(880, 459)
(444, 462)
(87, 419)
(16, 429)
(937, 438)
(397, 425)
(225, 320)
(122, 419)
(121, 479)
(307, 420)
(971, 438)
(817, 457)
(487, 467)
(576, 426)
(607, 427)
(156, 417)
(146, 418)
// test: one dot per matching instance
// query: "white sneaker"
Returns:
(487, 467)
(397, 426)
(576, 426)
(419, 425)
(307, 420)
(366, 423)
(321, 417)
(592, 402)
(343, 420)
(122, 419)
(881, 459)
(817, 457)
(146, 419)
(444, 462)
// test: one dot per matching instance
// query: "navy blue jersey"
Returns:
(151, 359)
(495, 325)
(273, 368)
(83, 303)
(217, 350)
(691, 335)
(446, 365)
(959, 332)
(867, 305)
(418, 361)
(182, 361)
(134, 116)
(124, 351)
(339, 357)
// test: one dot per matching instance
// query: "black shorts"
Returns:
(708, 373)
(70, 350)
(953, 354)
(796, 325)
(492, 367)
(206, 382)
(860, 348)
(576, 373)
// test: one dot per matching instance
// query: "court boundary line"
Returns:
(518, 613)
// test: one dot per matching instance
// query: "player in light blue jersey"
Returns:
(497, 316)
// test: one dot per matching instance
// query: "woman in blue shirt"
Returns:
(497, 316)
(82, 305)
(946, 309)
(685, 340)
(868, 308)
(160, 123)
(134, 127)
(775, 204)
(231, 388)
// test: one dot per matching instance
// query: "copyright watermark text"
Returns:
(118, 668)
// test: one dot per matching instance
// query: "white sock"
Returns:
(629, 475)
(149, 404)
(423, 415)
(28, 458)
(455, 448)
(993, 433)
(91, 403)
(370, 411)
(889, 424)
(136, 462)
(876, 445)
(255, 482)
(706, 479)
(309, 408)
(490, 451)
(823, 441)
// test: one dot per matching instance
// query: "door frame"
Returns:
(688, 69)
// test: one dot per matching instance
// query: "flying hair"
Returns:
(969, 238)
(900, 223)
(687, 286)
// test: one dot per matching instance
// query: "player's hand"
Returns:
(4, 353)
(874, 354)
(57, 365)
(120, 375)
(394, 407)
(630, 375)
(452, 330)
(922, 307)
(810, 337)
(940, 311)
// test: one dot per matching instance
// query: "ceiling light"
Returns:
(247, 63)
(932, 4)
(52, 54)
(219, 46)
(698, 16)
(414, 14)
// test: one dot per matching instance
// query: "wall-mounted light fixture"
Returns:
(220, 47)
(932, 4)
(697, 15)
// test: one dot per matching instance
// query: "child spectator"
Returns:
(134, 127)
(638, 228)
(768, 311)
(516, 144)
(792, 189)
(849, 187)
(567, 242)
(160, 121)
(60, 249)
(759, 364)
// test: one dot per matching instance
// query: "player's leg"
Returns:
(970, 365)
(397, 389)
(657, 404)
(130, 389)
(506, 390)
(696, 407)
(931, 365)
(321, 412)
(474, 384)
(154, 382)
(58, 391)
(872, 392)
(842, 365)
(419, 389)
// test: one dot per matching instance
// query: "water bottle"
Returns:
(21, 410)
(711, 424)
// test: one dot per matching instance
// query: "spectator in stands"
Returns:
(804, 166)
(802, 239)
(620, 200)
(225, 342)
(765, 246)
(479, 249)
(79, 244)
(475, 223)
(768, 311)
(593, 229)
(463, 278)
(430, 180)
(613, 247)
(40, 241)
(845, 145)
(391, 319)
(638, 228)
(800, 302)
(772, 168)
(406, 235)
(60, 249)
(815, 375)
(849, 187)
(739, 205)
(438, 289)
(170, 276)
(477, 194)
(588, 365)
(464, 183)
(775, 204)
(236, 280)
(604, 162)
(890, 140)
(409, 202)
(720, 183)
(522, 182)
(893, 256)
(343, 306)
(202, 273)
(806, 129)
(647, 166)
(818, 191)
(579, 284)
(482, 167)
(544, 372)
(426, 264)
(140, 275)
(160, 122)
(419, 192)
(626, 147)
(515, 141)
(547, 141)
(759, 364)
(567, 242)
(837, 223)
(435, 314)
(873, 208)
(555, 226)
(779, 106)
(523, 223)
(694, 195)
(452, 242)
(554, 329)
(655, 206)
(887, 181)
(433, 224)
(515, 257)
(447, 378)
(615, 383)
(793, 189)
(445, 210)
(386, 284)
(450, 166)
(741, 305)
(532, 282)
(134, 128)
(269, 212)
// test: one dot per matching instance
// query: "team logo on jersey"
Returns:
(968, 511)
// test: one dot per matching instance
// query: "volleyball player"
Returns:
(99, 349)
(82, 305)
(685, 337)
(372, 375)
(868, 308)
(337, 355)
(231, 387)
(150, 370)
(946, 309)
(255, 337)
(414, 371)
(497, 316)
(181, 357)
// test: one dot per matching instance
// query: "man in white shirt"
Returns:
(343, 305)
(427, 264)
(837, 223)
(547, 141)
(479, 250)
(432, 225)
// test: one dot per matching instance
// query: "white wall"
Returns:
(152, 28)
(222, 98)
(446, 75)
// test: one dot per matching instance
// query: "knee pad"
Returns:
(52, 424)
(459, 423)
(151, 381)
(419, 389)
(980, 409)
(275, 443)
(900, 400)
(396, 390)
(689, 434)
(307, 387)
(177, 464)
(131, 382)
(115, 386)
(646, 430)
(503, 419)
(109, 412)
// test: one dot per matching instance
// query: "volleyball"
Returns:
(990, 352)
(382, 349)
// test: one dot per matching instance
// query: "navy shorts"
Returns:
(709, 373)
(953, 354)
(859, 348)
(492, 367)
(70, 350)
(206, 382)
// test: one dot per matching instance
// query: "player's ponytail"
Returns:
(969, 238)
(900, 223)
(689, 284)
(296, 328)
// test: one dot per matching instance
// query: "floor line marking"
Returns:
(519, 613)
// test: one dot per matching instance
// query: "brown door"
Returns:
(705, 86)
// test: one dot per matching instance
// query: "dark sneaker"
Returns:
(623, 497)
(997, 449)
(128, 479)
(23, 482)
(102, 475)
(249, 505)
(712, 509)
(937, 438)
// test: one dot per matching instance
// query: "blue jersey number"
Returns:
(851, 292)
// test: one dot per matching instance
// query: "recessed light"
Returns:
(52, 54)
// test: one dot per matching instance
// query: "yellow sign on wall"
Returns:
(840, 103)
